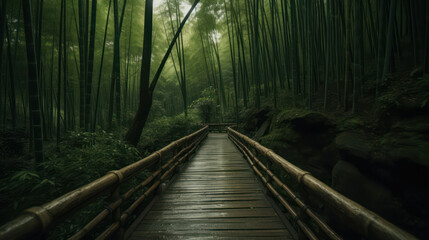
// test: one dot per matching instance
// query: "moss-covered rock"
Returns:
(354, 147)
(405, 148)
(351, 123)
(403, 103)
(311, 123)
(255, 119)
(380, 161)
(300, 136)
(414, 125)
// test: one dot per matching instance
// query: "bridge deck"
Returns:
(216, 196)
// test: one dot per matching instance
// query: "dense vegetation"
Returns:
(85, 84)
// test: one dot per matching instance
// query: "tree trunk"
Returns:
(128, 67)
(116, 67)
(389, 40)
(358, 45)
(60, 55)
(12, 79)
(135, 131)
(82, 63)
(90, 66)
(94, 121)
(380, 45)
(34, 104)
(2, 26)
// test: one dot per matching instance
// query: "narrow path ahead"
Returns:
(216, 196)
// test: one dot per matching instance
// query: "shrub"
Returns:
(79, 159)
(165, 130)
(206, 105)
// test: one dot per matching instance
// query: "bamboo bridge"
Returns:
(206, 186)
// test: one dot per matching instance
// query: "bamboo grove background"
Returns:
(85, 70)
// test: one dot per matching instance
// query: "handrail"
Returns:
(221, 124)
(37, 220)
(360, 219)
(220, 127)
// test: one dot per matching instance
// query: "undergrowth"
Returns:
(80, 158)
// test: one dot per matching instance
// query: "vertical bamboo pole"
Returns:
(116, 214)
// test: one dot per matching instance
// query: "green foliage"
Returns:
(164, 130)
(386, 102)
(206, 104)
(22, 184)
(86, 156)
(82, 157)
(79, 159)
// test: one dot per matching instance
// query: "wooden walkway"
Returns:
(216, 196)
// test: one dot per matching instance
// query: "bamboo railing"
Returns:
(362, 221)
(220, 127)
(35, 222)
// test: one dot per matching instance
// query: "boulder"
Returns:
(315, 129)
(416, 125)
(330, 155)
(282, 135)
(255, 120)
(404, 149)
(262, 130)
(354, 147)
(312, 122)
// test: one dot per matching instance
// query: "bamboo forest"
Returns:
(214, 119)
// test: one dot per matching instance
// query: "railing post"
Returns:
(188, 143)
(162, 184)
(119, 234)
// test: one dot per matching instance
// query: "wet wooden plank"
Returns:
(216, 196)
(211, 205)
(213, 224)
(150, 234)
(211, 213)
(203, 237)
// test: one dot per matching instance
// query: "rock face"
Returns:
(311, 123)
(301, 138)
(387, 173)
(354, 147)
(263, 129)
(256, 119)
